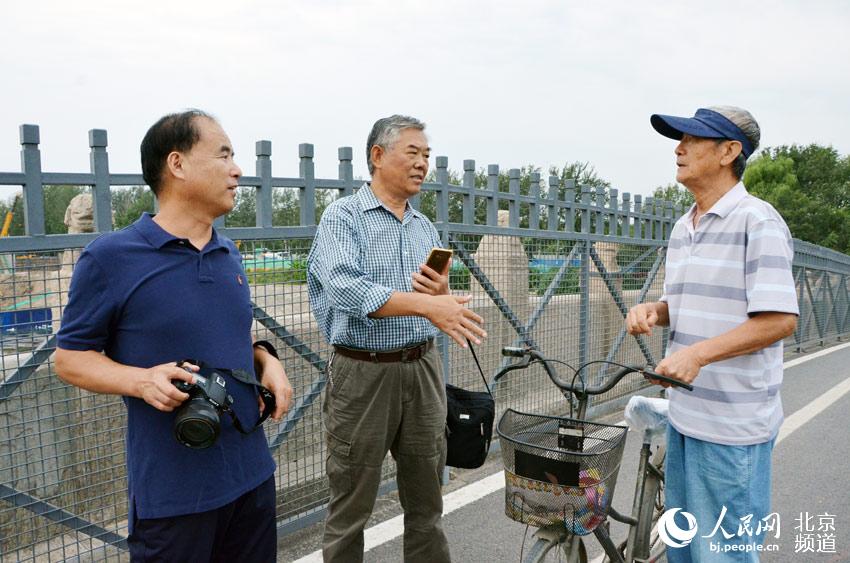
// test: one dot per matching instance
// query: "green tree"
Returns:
(675, 193)
(774, 178)
(821, 172)
(128, 204)
(244, 213)
(583, 173)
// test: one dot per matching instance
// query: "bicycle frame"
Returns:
(648, 482)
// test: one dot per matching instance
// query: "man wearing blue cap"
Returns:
(729, 300)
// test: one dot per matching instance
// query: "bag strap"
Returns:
(481, 371)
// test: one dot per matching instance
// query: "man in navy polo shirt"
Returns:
(162, 290)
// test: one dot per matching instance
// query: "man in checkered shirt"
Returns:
(380, 307)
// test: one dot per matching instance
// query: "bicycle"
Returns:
(560, 472)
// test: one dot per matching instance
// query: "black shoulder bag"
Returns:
(469, 423)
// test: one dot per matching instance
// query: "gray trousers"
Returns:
(371, 408)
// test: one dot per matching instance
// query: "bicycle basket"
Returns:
(559, 470)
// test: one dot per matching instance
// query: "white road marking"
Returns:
(814, 408)
(814, 355)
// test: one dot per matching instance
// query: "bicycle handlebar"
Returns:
(528, 355)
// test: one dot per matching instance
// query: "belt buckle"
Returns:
(412, 354)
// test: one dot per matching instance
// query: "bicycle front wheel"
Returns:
(571, 550)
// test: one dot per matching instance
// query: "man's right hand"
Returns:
(447, 313)
(155, 387)
(642, 318)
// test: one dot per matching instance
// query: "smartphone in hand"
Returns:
(438, 259)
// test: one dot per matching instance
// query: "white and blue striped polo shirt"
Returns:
(737, 262)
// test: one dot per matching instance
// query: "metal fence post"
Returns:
(264, 200)
(613, 211)
(101, 197)
(346, 170)
(627, 215)
(442, 164)
(443, 193)
(534, 206)
(584, 283)
(584, 305)
(553, 212)
(585, 209)
(513, 204)
(669, 219)
(660, 219)
(307, 171)
(649, 211)
(33, 191)
(677, 212)
(492, 195)
(598, 211)
(469, 195)
(570, 201)
(799, 334)
(639, 230)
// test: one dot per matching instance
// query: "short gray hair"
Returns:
(385, 132)
(748, 125)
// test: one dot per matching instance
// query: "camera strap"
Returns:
(269, 401)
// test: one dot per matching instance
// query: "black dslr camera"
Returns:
(198, 422)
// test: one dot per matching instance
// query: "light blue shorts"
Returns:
(702, 478)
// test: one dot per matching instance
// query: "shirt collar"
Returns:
(159, 237)
(722, 207)
(730, 200)
(368, 201)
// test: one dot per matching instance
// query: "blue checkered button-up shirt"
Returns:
(361, 254)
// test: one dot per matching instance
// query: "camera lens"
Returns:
(197, 424)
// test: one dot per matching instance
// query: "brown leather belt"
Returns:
(408, 354)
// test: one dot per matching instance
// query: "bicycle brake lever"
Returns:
(511, 352)
(649, 374)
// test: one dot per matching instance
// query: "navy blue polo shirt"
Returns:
(145, 297)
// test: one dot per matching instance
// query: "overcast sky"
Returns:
(539, 82)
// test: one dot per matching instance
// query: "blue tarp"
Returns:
(26, 321)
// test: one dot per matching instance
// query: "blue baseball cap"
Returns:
(705, 123)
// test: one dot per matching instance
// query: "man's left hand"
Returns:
(273, 377)
(683, 365)
(430, 281)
